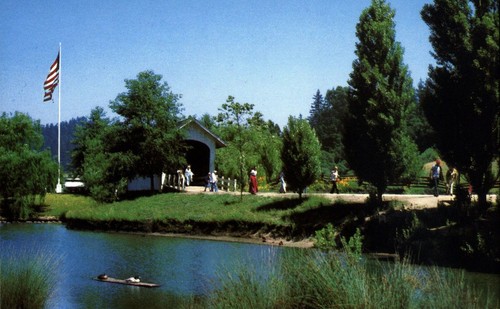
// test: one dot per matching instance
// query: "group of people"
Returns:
(186, 179)
(436, 174)
(211, 182)
(211, 179)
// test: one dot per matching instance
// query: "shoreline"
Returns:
(253, 239)
(266, 241)
(431, 226)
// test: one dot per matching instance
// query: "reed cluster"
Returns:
(321, 279)
(27, 280)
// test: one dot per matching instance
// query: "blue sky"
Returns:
(274, 54)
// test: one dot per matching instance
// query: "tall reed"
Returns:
(319, 279)
(27, 280)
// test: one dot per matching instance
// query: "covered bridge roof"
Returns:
(192, 122)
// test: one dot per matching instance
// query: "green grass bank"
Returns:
(451, 234)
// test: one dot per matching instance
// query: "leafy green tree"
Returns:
(252, 142)
(234, 159)
(460, 96)
(377, 145)
(149, 113)
(267, 145)
(26, 172)
(103, 170)
(300, 155)
(265, 140)
(208, 121)
(419, 128)
(90, 129)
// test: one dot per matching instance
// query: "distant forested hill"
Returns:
(49, 132)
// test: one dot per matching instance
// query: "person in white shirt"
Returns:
(334, 177)
(213, 182)
(134, 279)
(282, 182)
(189, 175)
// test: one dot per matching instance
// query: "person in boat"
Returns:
(102, 276)
(133, 279)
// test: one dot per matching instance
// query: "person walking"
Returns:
(334, 178)
(181, 181)
(189, 175)
(282, 182)
(451, 178)
(208, 182)
(213, 182)
(435, 175)
(253, 181)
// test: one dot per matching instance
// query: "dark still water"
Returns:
(184, 267)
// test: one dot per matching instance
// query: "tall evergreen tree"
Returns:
(332, 121)
(317, 107)
(461, 95)
(418, 125)
(327, 119)
(377, 145)
(300, 155)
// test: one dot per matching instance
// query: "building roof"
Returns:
(219, 143)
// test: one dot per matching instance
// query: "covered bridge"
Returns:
(202, 144)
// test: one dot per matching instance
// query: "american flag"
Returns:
(52, 80)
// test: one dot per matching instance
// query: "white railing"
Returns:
(175, 181)
(227, 184)
(178, 182)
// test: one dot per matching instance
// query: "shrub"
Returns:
(325, 238)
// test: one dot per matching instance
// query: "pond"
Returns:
(183, 267)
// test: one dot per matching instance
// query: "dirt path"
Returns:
(410, 201)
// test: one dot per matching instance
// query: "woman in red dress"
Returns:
(253, 181)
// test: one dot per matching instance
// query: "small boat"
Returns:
(127, 282)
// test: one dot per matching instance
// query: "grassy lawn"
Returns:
(180, 206)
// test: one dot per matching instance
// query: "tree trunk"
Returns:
(380, 192)
(152, 183)
(482, 202)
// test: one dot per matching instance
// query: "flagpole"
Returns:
(59, 186)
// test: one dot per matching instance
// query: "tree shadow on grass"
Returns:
(283, 204)
(336, 214)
